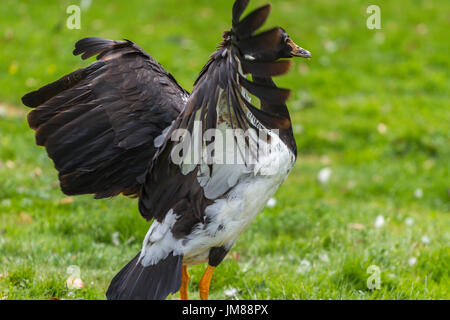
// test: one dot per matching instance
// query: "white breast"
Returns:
(232, 214)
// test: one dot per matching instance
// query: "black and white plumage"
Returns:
(108, 129)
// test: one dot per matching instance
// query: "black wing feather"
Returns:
(266, 69)
(99, 123)
(252, 22)
(238, 9)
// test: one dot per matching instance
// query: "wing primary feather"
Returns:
(91, 46)
(269, 94)
(235, 105)
(211, 117)
(266, 69)
(252, 22)
(269, 120)
(39, 116)
(38, 97)
(238, 9)
(229, 107)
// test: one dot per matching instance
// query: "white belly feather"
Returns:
(228, 216)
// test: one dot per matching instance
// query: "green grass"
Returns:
(372, 105)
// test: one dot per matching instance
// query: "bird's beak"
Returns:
(298, 51)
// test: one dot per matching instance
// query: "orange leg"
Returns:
(184, 283)
(205, 282)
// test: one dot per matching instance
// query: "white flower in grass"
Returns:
(130, 240)
(6, 203)
(115, 238)
(31, 82)
(409, 221)
(231, 292)
(330, 46)
(324, 258)
(425, 239)
(357, 226)
(10, 164)
(324, 175)
(422, 29)
(74, 281)
(86, 4)
(26, 202)
(298, 129)
(304, 267)
(418, 193)
(246, 267)
(382, 128)
(412, 261)
(272, 202)
(379, 221)
(379, 38)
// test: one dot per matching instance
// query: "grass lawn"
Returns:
(372, 106)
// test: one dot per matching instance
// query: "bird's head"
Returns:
(271, 45)
(288, 49)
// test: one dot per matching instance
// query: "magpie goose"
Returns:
(111, 128)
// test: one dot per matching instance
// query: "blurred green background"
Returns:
(371, 116)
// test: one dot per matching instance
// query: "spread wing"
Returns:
(100, 124)
(220, 96)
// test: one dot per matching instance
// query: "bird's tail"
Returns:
(153, 282)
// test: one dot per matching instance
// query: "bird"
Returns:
(124, 125)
